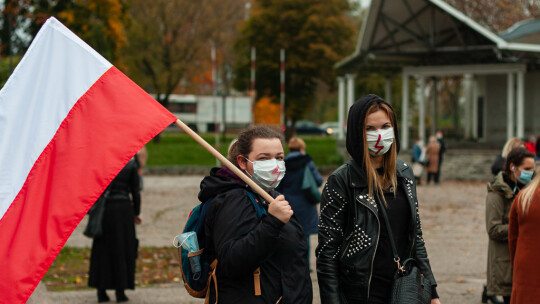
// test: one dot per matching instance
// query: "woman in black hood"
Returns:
(355, 259)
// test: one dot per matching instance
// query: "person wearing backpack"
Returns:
(259, 259)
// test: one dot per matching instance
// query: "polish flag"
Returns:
(69, 122)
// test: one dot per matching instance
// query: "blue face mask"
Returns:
(525, 176)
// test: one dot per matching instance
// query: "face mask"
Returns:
(525, 176)
(268, 173)
(380, 141)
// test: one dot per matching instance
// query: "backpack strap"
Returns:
(256, 204)
(260, 211)
(257, 281)
(213, 278)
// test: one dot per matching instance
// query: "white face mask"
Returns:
(380, 141)
(268, 173)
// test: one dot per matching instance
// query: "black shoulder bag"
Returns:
(409, 286)
(95, 216)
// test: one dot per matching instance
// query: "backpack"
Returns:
(199, 286)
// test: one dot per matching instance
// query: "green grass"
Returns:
(178, 149)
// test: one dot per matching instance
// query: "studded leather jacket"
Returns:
(349, 234)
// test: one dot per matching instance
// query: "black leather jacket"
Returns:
(349, 234)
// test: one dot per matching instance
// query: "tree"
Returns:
(101, 23)
(314, 33)
(170, 40)
(498, 15)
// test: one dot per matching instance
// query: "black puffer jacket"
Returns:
(349, 233)
(242, 243)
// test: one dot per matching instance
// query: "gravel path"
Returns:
(452, 217)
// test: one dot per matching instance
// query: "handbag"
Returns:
(417, 168)
(409, 286)
(310, 188)
(94, 227)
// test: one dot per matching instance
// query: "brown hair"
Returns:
(376, 182)
(243, 145)
(296, 144)
(516, 157)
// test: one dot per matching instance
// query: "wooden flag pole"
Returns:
(224, 161)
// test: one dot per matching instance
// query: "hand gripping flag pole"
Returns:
(225, 161)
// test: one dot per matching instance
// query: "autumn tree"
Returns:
(101, 23)
(498, 15)
(266, 112)
(314, 33)
(171, 39)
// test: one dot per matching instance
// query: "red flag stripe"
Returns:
(70, 174)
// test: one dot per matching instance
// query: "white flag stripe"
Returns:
(30, 119)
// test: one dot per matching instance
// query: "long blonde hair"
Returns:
(376, 182)
(527, 194)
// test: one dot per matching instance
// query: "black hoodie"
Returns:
(355, 126)
(241, 243)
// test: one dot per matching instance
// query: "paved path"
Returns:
(452, 217)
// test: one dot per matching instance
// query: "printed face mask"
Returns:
(268, 173)
(380, 141)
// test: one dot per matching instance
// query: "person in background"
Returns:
(442, 150)
(355, 261)
(113, 255)
(523, 236)
(432, 155)
(531, 144)
(500, 160)
(291, 186)
(502, 190)
(141, 157)
(271, 249)
(418, 155)
(537, 152)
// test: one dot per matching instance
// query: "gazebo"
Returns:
(428, 39)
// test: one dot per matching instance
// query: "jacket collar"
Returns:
(357, 181)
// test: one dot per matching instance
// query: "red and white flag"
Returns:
(69, 122)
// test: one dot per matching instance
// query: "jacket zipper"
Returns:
(376, 245)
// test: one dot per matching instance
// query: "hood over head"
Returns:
(355, 126)
(220, 180)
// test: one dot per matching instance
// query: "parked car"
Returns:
(331, 127)
(308, 127)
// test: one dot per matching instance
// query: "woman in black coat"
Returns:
(355, 261)
(252, 251)
(112, 261)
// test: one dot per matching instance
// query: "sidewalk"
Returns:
(452, 217)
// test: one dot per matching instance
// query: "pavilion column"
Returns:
(350, 91)
(341, 106)
(475, 108)
(510, 106)
(434, 108)
(388, 89)
(421, 91)
(520, 115)
(467, 88)
(405, 112)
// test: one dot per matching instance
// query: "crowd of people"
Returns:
(368, 224)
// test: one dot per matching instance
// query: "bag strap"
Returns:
(213, 278)
(391, 236)
(258, 208)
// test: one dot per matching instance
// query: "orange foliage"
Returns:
(266, 112)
